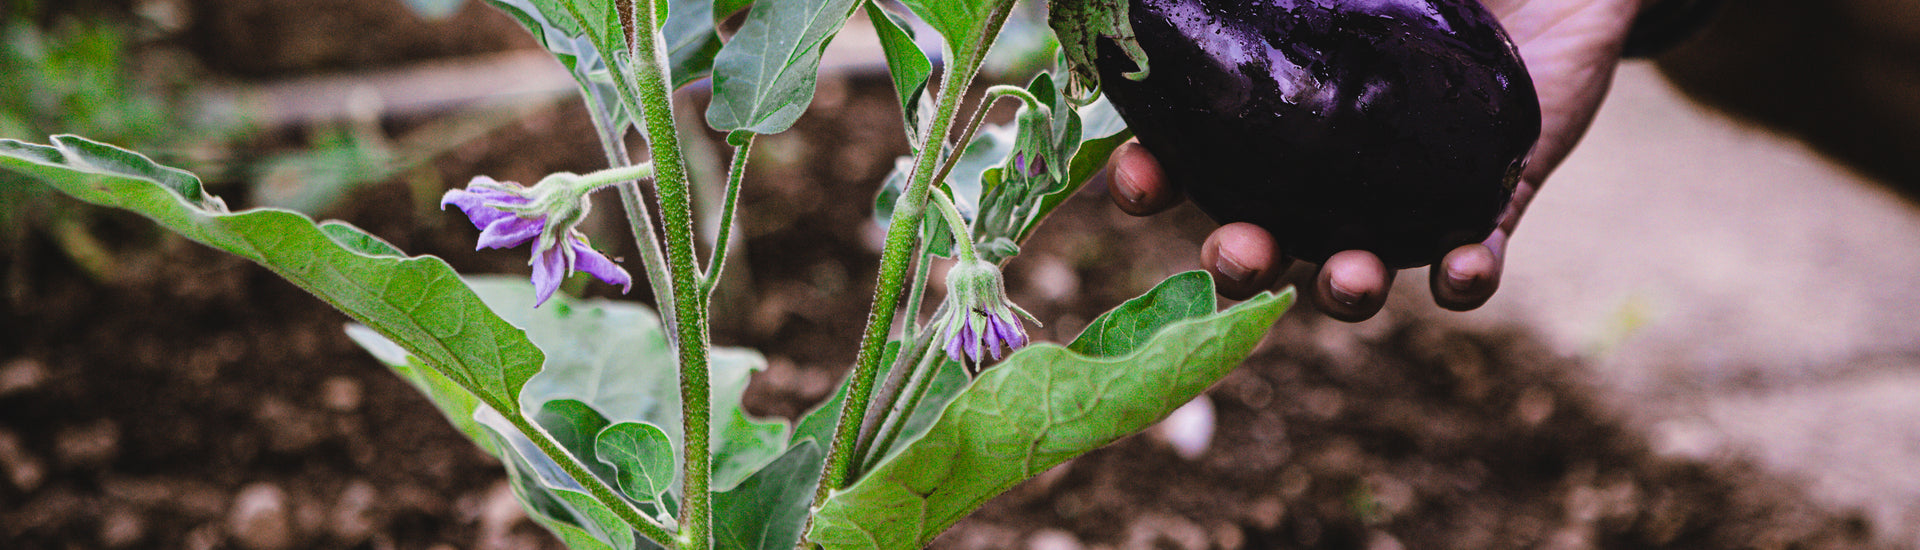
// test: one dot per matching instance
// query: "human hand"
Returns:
(1570, 47)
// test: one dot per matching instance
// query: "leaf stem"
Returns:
(902, 233)
(650, 96)
(993, 94)
(639, 218)
(956, 225)
(594, 485)
(925, 369)
(736, 172)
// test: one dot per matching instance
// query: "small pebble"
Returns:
(341, 394)
(122, 527)
(259, 518)
(21, 467)
(89, 444)
(353, 518)
(1189, 429)
(1053, 539)
(21, 375)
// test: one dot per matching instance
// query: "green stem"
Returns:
(987, 100)
(718, 260)
(897, 376)
(924, 371)
(639, 219)
(957, 226)
(902, 232)
(650, 95)
(594, 485)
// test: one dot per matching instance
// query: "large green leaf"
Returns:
(691, 40)
(418, 303)
(556, 30)
(907, 65)
(614, 357)
(763, 79)
(967, 27)
(768, 510)
(1046, 404)
(549, 494)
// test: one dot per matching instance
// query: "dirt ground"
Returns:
(196, 401)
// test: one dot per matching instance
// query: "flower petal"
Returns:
(992, 334)
(549, 268)
(509, 232)
(481, 205)
(592, 261)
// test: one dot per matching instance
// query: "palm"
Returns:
(1571, 48)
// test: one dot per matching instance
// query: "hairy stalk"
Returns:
(639, 218)
(993, 94)
(925, 369)
(718, 261)
(648, 94)
(888, 396)
(901, 237)
(594, 485)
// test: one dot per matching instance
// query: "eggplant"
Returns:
(1398, 127)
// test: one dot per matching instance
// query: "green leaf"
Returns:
(691, 40)
(722, 9)
(1043, 405)
(561, 35)
(550, 494)
(435, 9)
(456, 403)
(614, 357)
(768, 510)
(641, 456)
(418, 303)
(1101, 132)
(963, 26)
(906, 63)
(763, 79)
(1080, 25)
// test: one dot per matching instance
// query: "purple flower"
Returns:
(509, 215)
(976, 321)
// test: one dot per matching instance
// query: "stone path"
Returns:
(1735, 294)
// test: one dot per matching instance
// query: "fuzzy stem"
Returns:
(718, 260)
(639, 218)
(925, 369)
(957, 226)
(648, 86)
(594, 485)
(902, 233)
(889, 395)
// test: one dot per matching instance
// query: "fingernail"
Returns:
(1123, 182)
(1232, 268)
(1459, 281)
(1342, 295)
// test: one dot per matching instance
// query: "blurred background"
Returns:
(1705, 337)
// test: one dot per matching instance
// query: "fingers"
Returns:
(1466, 277)
(1352, 285)
(1244, 260)
(1136, 182)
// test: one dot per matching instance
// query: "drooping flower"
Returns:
(548, 214)
(977, 321)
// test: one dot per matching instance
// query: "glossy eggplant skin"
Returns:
(1394, 126)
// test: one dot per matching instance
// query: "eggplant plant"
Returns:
(621, 426)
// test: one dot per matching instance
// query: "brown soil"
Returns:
(195, 401)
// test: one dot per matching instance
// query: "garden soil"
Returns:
(193, 400)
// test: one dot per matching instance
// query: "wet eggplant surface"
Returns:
(1394, 126)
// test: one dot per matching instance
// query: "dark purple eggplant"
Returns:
(1394, 126)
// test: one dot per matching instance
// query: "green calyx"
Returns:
(1080, 24)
